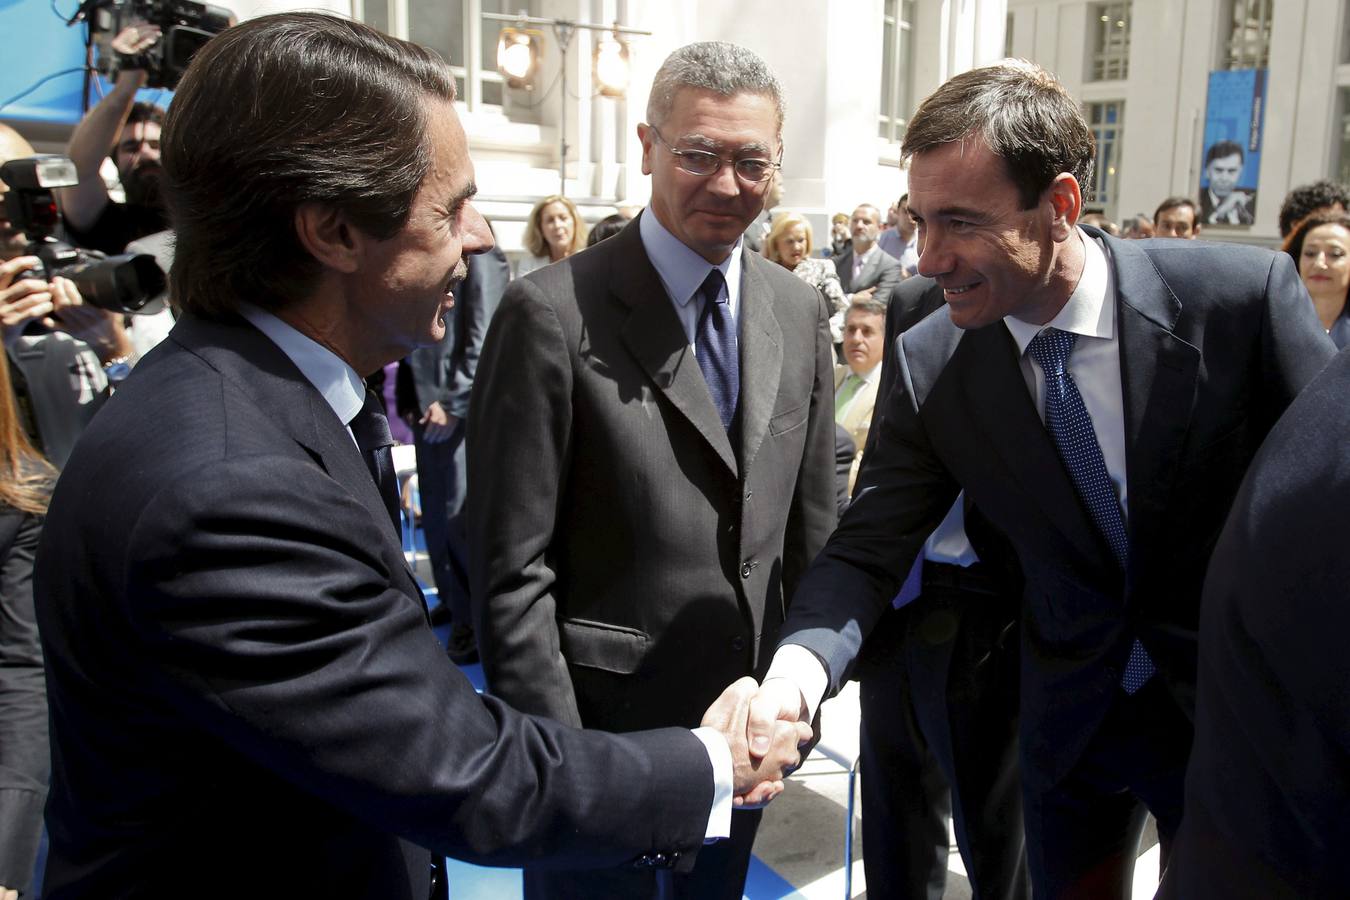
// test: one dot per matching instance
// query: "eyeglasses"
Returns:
(701, 162)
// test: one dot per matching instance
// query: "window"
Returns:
(1107, 121)
(457, 31)
(1248, 44)
(1345, 32)
(1110, 27)
(1008, 35)
(1341, 132)
(897, 56)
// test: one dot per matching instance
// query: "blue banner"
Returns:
(1230, 167)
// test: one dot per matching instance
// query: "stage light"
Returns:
(610, 66)
(518, 57)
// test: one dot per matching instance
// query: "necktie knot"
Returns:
(1051, 349)
(711, 288)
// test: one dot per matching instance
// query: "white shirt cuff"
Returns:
(802, 668)
(719, 754)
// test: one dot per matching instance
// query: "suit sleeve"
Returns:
(890, 277)
(814, 509)
(1294, 346)
(254, 591)
(902, 493)
(490, 274)
(518, 443)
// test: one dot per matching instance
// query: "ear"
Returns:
(648, 139)
(326, 234)
(1066, 202)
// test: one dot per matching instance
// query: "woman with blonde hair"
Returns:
(554, 231)
(789, 245)
(25, 481)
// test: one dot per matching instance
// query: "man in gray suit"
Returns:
(650, 445)
(867, 272)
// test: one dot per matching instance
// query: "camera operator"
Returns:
(59, 370)
(129, 130)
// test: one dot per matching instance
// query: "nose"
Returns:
(477, 234)
(933, 260)
(724, 182)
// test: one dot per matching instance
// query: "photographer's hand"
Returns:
(24, 300)
(100, 329)
(136, 39)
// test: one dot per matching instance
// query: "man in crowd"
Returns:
(1309, 199)
(650, 447)
(866, 271)
(227, 609)
(855, 384)
(901, 240)
(433, 389)
(130, 131)
(1222, 203)
(1176, 217)
(1098, 401)
(58, 345)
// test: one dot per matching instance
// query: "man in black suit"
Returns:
(1268, 786)
(434, 387)
(865, 270)
(238, 659)
(1098, 401)
(650, 447)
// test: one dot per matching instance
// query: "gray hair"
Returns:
(716, 66)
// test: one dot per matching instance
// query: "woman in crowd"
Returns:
(1320, 246)
(841, 238)
(555, 231)
(25, 480)
(789, 245)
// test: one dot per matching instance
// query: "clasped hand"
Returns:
(765, 738)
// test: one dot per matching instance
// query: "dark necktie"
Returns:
(1070, 426)
(715, 347)
(371, 430)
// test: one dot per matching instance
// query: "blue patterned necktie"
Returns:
(715, 347)
(1070, 426)
(376, 442)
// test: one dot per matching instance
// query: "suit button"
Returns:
(738, 643)
(747, 568)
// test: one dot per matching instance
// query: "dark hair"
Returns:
(1293, 245)
(281, 111)
(606, 228)
(1220, 149)
(1173, 203)
(1024, 116)
(1301, 201)
(145, 112)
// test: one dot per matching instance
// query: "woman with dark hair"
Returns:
(789, 244)
(1320, 246)
(607, 228)
(554, 231)
(25, 480)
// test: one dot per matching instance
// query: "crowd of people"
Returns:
(681, 476)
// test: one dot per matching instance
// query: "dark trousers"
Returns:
(1083, 833)
(938, 702)
(440, 483)
(718, 874)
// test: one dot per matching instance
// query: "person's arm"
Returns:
(57, 305)
(489, 275)
(24, 759)
(517, 452)
(93, 138)
(890, 277)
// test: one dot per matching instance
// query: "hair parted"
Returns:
(1293, 245)
(535, 241)
(281, 111)
(717, 66)
(1177, 203)
(782, 224)
(1024, 116)
(1302, 200)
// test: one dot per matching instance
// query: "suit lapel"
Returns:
(259, 368)
(1158, 373)
(653, 334)
(997, 396)
(761, 346)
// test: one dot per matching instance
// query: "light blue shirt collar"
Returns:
(682, 270)
(341, 387)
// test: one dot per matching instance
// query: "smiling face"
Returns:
(402, 288)
(557, 226)
(793, 245)
(708, 213)
(991, 257)
(1324, 261)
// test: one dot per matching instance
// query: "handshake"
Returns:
(766, 731)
